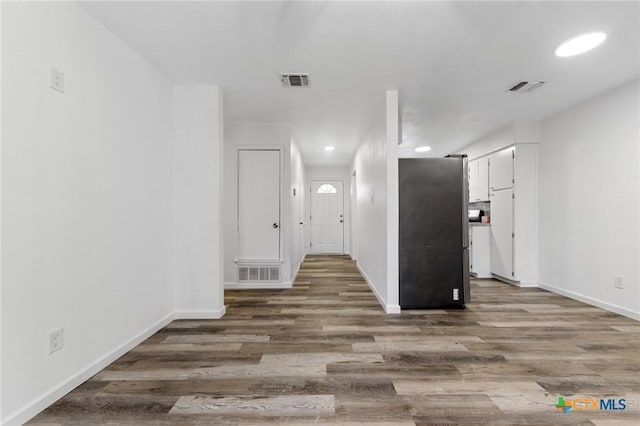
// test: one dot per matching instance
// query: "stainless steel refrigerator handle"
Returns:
(465, 202)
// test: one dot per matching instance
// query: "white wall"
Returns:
(1, 133)
(331, 173)
(376, 224)
(254, 135)
(393, 201)
(297, 206)
(589, 201)
(524, 132)
(197, 193)
(86, 206)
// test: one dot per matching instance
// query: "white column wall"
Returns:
(376, 204)
(197, 193)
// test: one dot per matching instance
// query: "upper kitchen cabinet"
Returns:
(479, 180)
(501, 169)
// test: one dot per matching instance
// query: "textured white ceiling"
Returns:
(451, 61)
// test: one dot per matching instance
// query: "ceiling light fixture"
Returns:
(580, 44)
(329, 148)
(423, 149)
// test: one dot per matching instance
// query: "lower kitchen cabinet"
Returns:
(502, 233)
(480, 250)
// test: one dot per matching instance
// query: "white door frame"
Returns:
(302, 238)
(353, 200)
(280, 150)
(344, 216)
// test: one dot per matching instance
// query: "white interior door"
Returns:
(502, 233)
(301, 220)
(259, 204)
(327, 217)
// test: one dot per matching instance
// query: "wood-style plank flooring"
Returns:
(324, 352)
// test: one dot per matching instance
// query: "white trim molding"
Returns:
(514, 282)
(209, 314)
(258, 285)
(591, 301)
(258, 262)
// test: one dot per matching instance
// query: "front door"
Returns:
(327, 217)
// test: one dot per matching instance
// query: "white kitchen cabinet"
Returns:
(480, 250)
(472, 171)
(513, 214)
(502, 233)
(479, 180)
(501, 169)
(483, 179)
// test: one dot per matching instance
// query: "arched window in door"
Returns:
(326, 189)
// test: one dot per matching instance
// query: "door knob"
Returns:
(301, 223)
(275, 225)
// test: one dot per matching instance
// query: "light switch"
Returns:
(57, 80)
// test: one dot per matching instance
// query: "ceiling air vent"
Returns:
(526, 86)
(295, 80)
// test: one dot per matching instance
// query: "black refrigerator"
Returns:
(434, 233)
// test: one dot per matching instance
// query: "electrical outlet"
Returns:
(57, 80)
(456, 294)
(618, 282)
(56, 340)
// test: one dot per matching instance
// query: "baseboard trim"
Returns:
(43, 401)
(592, 301)
(34, 407)
(389, 309)
(392, 309)
(480, 276)
(257, 285)
(295, 274)
(212, 314)
(506, 280)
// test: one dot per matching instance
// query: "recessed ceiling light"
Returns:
(580, 44)
(329, 148)
(423, 149)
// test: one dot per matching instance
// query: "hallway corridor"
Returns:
(324, 352)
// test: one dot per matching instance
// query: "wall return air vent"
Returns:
(526, 86)
(295, 80)
(259, 273)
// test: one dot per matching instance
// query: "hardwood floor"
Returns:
(324, 352)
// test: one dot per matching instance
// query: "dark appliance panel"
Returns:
(433, 233)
